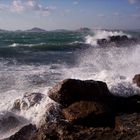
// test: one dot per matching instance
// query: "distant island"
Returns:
(39, 30)
(35, 29)
(83, 29)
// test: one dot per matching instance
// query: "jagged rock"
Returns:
(28, 100)
(126, 122)
(71, 90)
(89, 111)
(54, 131)
(89, 114)
(124, 104)
(33, 98)
(64, 130)
(136, 80)
(10, 121)
(117, 40)
(25, 133)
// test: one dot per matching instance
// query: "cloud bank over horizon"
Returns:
(53, 14)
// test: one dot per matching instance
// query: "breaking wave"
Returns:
(103, 34)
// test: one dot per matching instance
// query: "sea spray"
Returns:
(115, 66)
(103, 34)
(23, 69)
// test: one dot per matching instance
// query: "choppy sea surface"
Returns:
(34, 62)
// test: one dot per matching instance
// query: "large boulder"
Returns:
(136, 80)
(120, 104)
(71, 90)
(89, 113)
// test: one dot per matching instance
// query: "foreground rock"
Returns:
(89, 111)
(127, 128)
(90, 103)
(25, 133)
(136, 80)
(89, 114)
(71, 90)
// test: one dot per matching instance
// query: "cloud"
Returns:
(137, 16)
(101, 15)
(134, 1)
(19, 6)
(3, 7)
(76, 2)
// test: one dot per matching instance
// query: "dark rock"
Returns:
(126, 122)
(82, 109)
(71, 90)
(28, 100)
(88, 111)
(10, 122)
(54, 131)
(65, 131)
(24, 133)
(124, 104)
(89, 114)
(33, 98)
(117, 41)
(136, 80)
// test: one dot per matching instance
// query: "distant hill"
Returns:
(35, 29)
(1, 30)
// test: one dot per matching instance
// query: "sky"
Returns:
(69, 14)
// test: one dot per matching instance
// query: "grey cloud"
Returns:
(134, 1)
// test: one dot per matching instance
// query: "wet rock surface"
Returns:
(89, 111)
(28, 100)
(71, 90)
(136, 80)
(117, 41)
(25, 133)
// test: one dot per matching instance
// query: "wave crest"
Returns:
(103, 34)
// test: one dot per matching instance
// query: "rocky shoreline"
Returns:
(86, 110)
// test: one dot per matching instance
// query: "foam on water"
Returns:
(15, 80)
(25, 45)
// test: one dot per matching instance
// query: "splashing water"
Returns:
(38, 71)
(102, 34)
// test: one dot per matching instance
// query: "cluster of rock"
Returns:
(87, 111)
(117, 41)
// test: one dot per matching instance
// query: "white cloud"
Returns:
(133, 1)
(19, 6)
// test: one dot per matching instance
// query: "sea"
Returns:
(36, 61)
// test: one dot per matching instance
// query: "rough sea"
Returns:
(34, 62)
